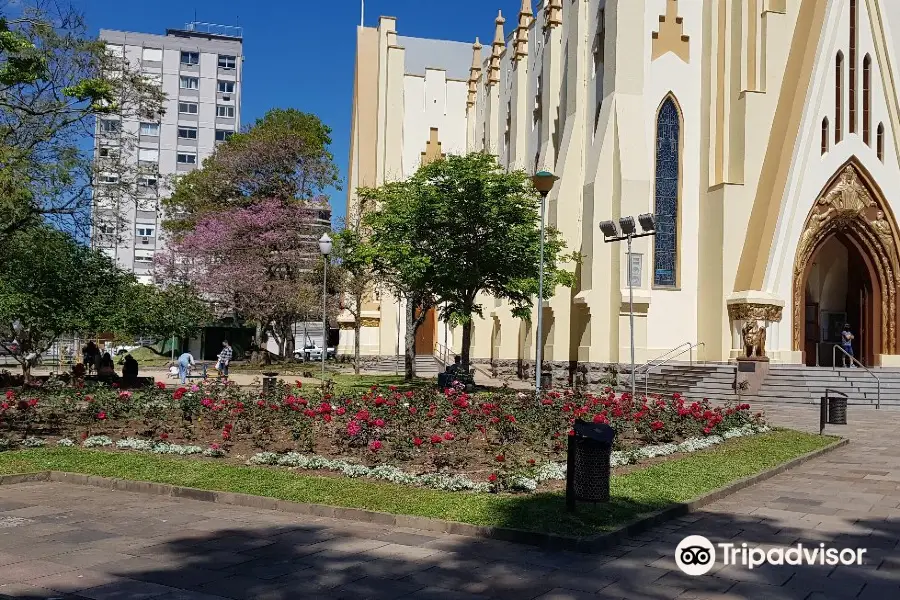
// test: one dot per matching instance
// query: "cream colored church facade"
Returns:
(764, 135)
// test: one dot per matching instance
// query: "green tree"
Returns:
(284, 156)
(465, 227)
(401, 259)
(55, 81)
(50, 285)
(355, 254)
(161, 313)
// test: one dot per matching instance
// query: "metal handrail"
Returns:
(854, 361)
(650, 363)
(650, 367)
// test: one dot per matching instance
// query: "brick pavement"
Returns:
(68, 541)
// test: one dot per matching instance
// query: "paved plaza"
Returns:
(69, 541)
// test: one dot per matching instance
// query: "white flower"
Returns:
(33, 442)
(96, 441)
(65, 443)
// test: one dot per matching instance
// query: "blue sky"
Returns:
(300, 53)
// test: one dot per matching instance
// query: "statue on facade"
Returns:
(754, 338)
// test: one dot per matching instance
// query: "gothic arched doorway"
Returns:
(846, 272)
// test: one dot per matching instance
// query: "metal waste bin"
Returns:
(546, 380)
(270, 381)
(837, 411)
(588, 468)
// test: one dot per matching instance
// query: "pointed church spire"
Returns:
(474, 73)
(497, 50)
(526, 18)
(552, 13)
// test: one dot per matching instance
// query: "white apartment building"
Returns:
(200, 71)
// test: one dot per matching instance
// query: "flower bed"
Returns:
(445, 440)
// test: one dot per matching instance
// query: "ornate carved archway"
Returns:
(853, 206)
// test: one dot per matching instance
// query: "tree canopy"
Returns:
(462, 227)
(259, 262)
(283, 156)
(54, 82)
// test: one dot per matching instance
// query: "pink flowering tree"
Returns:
(261, 262)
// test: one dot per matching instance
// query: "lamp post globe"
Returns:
(325, 244)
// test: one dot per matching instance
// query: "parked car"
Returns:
(9, 348)
(311, 352)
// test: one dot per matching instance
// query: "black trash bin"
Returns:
(837, 411)
(588, 467)
(270, 380)
(546, 380)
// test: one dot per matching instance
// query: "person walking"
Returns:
(847, 338)
(224, 359)
(185, 362)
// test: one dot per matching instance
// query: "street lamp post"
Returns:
(325, 244)
(629, 233)
(543, 182)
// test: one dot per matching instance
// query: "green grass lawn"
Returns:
(351, 384)
(147, 357)
(635, 493)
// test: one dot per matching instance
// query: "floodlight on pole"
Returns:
(627, 226)
(609, 229)
(648, 222)
(543, 182)
(629, 233)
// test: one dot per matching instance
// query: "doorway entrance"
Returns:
(839, 292)
(846, 272)
(426, 334)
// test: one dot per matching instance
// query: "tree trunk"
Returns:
(466, 344)
(410, 341)
(356, 333)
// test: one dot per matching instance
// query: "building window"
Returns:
(151, 129)
(223, 135)
(188, 108)
(108, 152)
(152, 54)
(227, 62)
(867, 100)
(109, 178)
(225, 111)
(109, 126)
(226, 87)
(150, 155)
(825, 135)
(190, 58)
(854, 14)
(145, 233)
(668, 158)
(145, 257)
(189, 83)
(879, 142)
(147, 181)
(839, 98)
(187, 158)
(187, 133)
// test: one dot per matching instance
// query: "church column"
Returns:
(551, 77)
(472, 99)
(492, 107)
(521, 115)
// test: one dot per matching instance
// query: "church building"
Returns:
(762, 134)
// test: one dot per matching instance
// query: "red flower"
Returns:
(707, 430)
(449, 436)
(571, 432)
(340, 411)
(362, 415)
(500, 458)
(413, 410)
(510, 418)
(164, 436)
(179, 393)
(546, 401)
(417, 442)
(656, 425)
(409, 394)
(493, 478)
(495, 420)
(327, 417)
(435, 439)
(101, 415)
(379, 422)
(600, 418)
(160, 385)
(375, 446)
(531, 461)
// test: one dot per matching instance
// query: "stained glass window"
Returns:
(668, 134)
